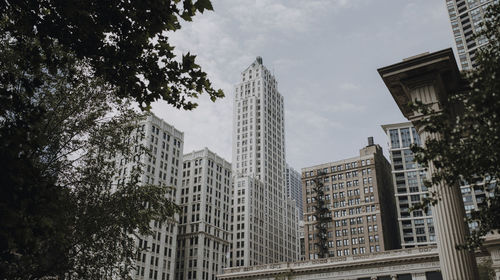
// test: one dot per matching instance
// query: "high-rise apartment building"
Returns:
(466, 17)
(294, 188)
(360, 197)
(204, 228)
(416, 227)
(264, 219)
(161, 167)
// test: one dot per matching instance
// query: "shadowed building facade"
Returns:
(162, 166)
(466, 17)
(294, 188)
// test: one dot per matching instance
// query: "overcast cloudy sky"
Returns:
(324, 54)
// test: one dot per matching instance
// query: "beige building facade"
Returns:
(360, 197)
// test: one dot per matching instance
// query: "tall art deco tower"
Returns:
(265, 221)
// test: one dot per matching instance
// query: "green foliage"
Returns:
(124, 43)
(486, 272)
(68, 73)
(60, 209)
(468, 149)
(322, 215)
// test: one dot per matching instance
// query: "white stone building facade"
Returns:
(265, 220)
(204, 226)
(160, 167)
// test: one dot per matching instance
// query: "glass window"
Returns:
(416, 138)
(394, 138)
(405, 137)
(412, 181)
(409, 160)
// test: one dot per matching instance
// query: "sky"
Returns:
(324, 54)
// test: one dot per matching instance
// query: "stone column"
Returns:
(430, 78)
(451, 228)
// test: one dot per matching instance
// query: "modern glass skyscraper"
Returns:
(265, 220)
(417, 227)
(466, 17)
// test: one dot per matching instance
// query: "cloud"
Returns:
(225, 43)
(265, 16)
(313, 120)
(349, 87)
(210, 124)
(221, 56)
(324, 54)
(343, 107)
(288, 17)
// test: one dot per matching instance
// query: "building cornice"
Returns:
(438, 68)
(336, 264)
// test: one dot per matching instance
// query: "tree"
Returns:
(125, 43)
(321, 213)
(68, 74)
(486, 272)
(468, 150)
(61, 212)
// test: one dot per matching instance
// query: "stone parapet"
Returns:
(415, 261)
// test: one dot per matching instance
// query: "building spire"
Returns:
(259, 60)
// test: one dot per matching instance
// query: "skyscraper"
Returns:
(294, 188)
(358, 192)
(265, 220)
(160, 167)
(204, 226)
(466, 17)
(416, 228)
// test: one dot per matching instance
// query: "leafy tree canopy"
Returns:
(124, 42)
(68, 74)
(468, 150)
(61, 211)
